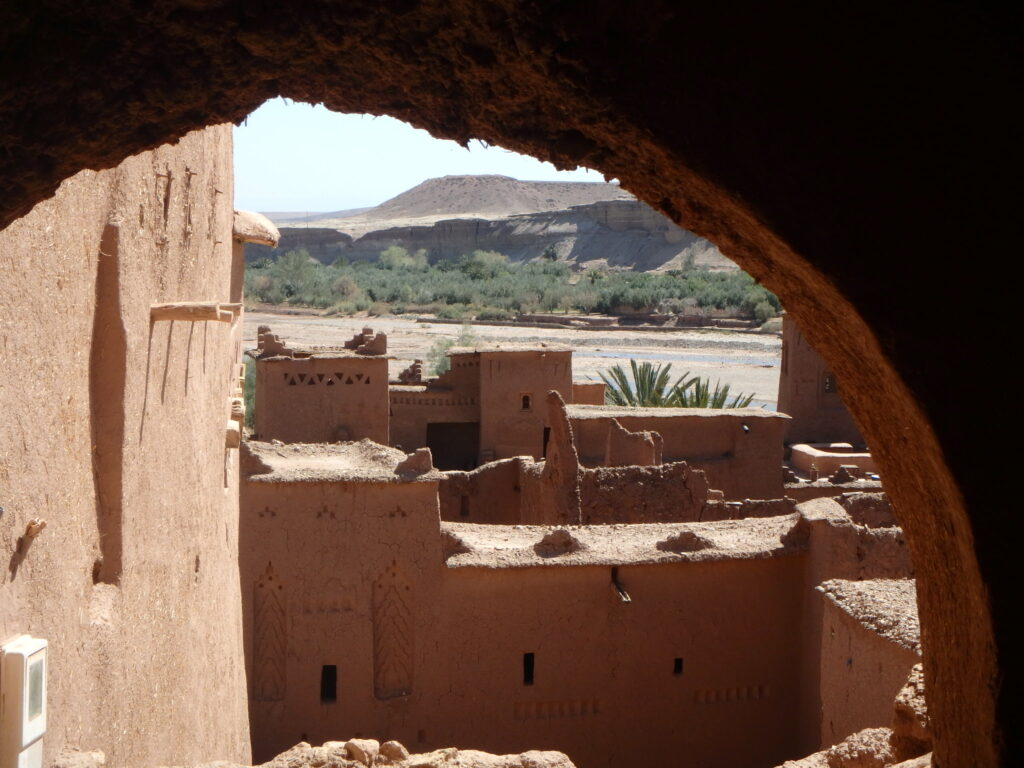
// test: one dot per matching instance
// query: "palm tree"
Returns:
(651, 387)
(701, 396)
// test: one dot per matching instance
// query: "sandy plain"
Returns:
(749, 362)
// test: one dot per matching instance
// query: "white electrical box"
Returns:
(22, 702)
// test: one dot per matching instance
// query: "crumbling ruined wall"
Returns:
(652, 494)
(625, 448)
(740, 450)
(488, 494)
(550, 489)
(114, 433)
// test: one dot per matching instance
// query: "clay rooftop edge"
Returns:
(616, 411)
(887, 607)
(471, 545)
(357, 461)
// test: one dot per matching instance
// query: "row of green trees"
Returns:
(486, 285)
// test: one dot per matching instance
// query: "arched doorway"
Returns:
(827, 155)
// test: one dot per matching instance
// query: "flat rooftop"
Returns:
(358, 461)
(322, 353)
(620, 411)
(525, 546)
(888, 607)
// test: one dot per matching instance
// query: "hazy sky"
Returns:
(298, 157)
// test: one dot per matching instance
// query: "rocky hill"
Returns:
(590, 224)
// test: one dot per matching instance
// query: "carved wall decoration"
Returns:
(555, 710)
(393, 636)
(271, 638)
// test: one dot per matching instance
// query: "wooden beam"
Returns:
(191, 311)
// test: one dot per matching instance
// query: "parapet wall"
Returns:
(663, 493)
(740, 450)
(325, 398)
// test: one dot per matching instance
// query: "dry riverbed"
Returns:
(747, 361)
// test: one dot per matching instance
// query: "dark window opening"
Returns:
(828, 383)
(547, 437)
(677, 666)
(527, 402)
(527, 669)
(464, 506)
(328, 683)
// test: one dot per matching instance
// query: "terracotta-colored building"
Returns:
(619, 645)
(809, 394)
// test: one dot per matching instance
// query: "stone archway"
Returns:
(826, 154)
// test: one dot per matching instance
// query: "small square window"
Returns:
(527, 401)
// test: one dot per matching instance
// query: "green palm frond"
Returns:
(646, 385)
(650, 386)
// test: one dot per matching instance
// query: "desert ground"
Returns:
(749, 362)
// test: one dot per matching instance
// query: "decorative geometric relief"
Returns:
(555, 710)
(271, 639)
(738, 693)
(392, 635)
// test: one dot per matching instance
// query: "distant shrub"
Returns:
(763, 312)
(249, 391)
(438, 359)
(492, 313)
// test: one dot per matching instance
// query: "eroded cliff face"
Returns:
(623, 233)
(114, 434)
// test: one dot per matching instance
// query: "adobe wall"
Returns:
(324, 398)
(506, 376)
(853, 538)
(809, 393)
(826, 458)
(588, 392)
(345, 574)
(742, 463)
(867, 652)
(114, 433)
(652, 494)
(604, 690)
(427, 625)
(488, 494)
